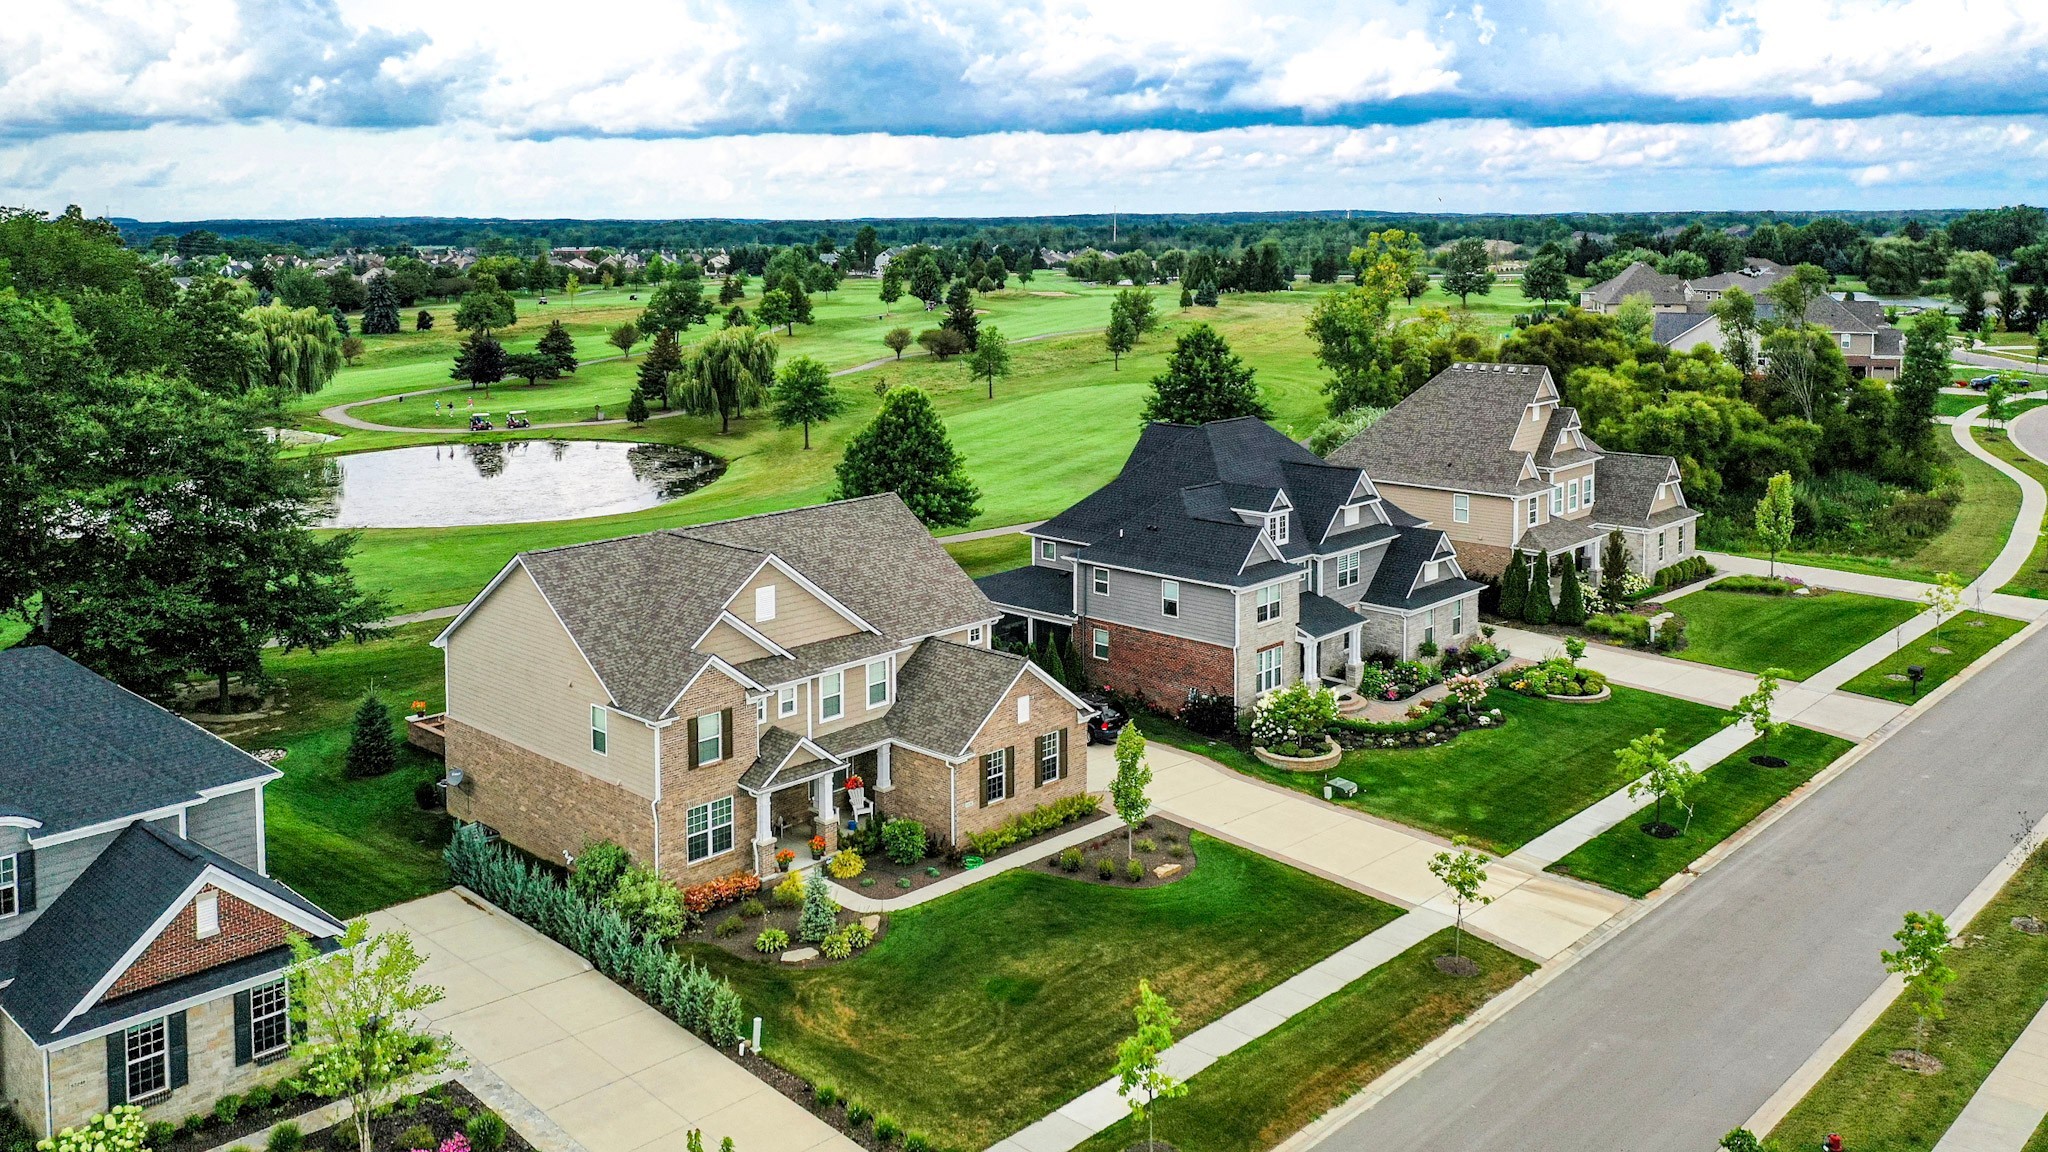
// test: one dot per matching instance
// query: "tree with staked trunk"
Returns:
(1774, 517)
(1463, 871)
(1921, 960)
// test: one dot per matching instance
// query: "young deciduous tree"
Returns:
(775, 312)
(372, 745)
(1755, 708)
(1468, 270)
(1120, 337)
(1141, 1077)
(1774, 517)
(905, 450)
(571, 287)
(1634, 317)
(1545, 278)
(1204, 380)
(804, 396)
(1463, 871)
(623, 337)
(1921, 959)
(1652, 773)
(896, 340)
(358, 1009)
(351, 348)
(1127, 789)
(1943, 598)
(990, 359)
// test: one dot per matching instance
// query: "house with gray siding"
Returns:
(143, 945)
(1227, 560)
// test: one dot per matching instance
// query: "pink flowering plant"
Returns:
(1468, 691)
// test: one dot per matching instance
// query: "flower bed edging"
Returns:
(1595, 698)
(1322, 763)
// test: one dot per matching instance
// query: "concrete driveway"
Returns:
(583, 1055)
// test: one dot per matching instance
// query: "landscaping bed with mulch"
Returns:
(445, 1111)
(1160, 843)
(884, 879)
(736, 927)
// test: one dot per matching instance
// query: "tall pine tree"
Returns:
(659, 366)
(1539, 610)
(481, 360)
(1514, 588)
(380, 312)
(557, 345)
(1571, 598)
(960, 315)
(372, 745)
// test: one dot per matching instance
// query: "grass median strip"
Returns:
(1801, 634)
(976, 1014)
(2032, 578)
(1727, 797)
(1966, 638)
(2001, 982)
(1267, 1090)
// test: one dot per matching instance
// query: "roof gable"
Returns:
(1457, 431)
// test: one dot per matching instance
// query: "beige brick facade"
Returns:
(922, 791)
(21, 1074)
(1050, 714)
(684, 787)
(539, 805)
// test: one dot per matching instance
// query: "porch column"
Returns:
(1031, 631)
(764, 820)
(823, 800)
(883, 781)
(1311, 665)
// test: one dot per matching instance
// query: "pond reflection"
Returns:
(448, 485)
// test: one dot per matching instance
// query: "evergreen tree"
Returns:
(960, 315)
(731, 291)
(1187, 298)
(372, 745)
(1571, 601)
(1514, 588)
(1050, 660)
(905, 450)
(636, 408)
(737, 318)
(1538, 609)
(380, 310)
(804, 396)
(1205, 294)
(1614, 562)
(481, 360)
(557, 345)
(424, 322)
(340, 321)
(1204, 380)
(819, 917)
(659, 367)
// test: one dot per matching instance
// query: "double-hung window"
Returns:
(1276, 527)
(1268, 603)
(1572, 496)
(761, 710)
(10, 886)
(1169, 597)
(1458, 618)
(1269, 669)
(149, 1059)
(1660, 545)
(270, 1022)
(785, 701)
(878, 683)
(1347, 570)
(1533, 502)
(1101, 643)
(710, 738)
(1429, 631)
(1102, 581)
(1588, 483)
(995, 776)
(600, 725)
(1461, 508)
(1557, 500)
(831, 695)
(710, 829)
(1048, 757)
(1047, 550)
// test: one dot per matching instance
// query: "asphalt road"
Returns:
(1679, 1028)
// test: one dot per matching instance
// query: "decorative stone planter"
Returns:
(1322, 763)
(1595, 698)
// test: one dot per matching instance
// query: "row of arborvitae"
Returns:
(1525, 593)
(600, 933)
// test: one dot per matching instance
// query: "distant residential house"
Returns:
(1227, 560)
(1489, 452)
(143, 944)
(1666, 292)
(1870, 345)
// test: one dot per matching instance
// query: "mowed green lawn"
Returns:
(1727, 798)
(978, 1013)
(352, 846)
(1269, 1089)
(1967, 637)
(2032, 578)
(1801, 634)
(1967, 547)
(2001, 983)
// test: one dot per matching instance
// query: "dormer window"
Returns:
(1276, 527)
(1589, 491)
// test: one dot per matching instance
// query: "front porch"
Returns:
(800, 801)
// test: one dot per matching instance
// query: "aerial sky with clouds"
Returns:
(184, 109)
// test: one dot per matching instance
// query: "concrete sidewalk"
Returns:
(582, 1054)
(2011, 1102)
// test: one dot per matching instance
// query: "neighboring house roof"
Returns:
(1456, 431)
(1752, 279)
(1890, 342)
(637, 605)
(1557, 533)
(1035, 589)
(1639, 279)
(1397, 583)
(1322, 616)
(86, 938)
(1628, 487)
(81, 750)
(1670, 326)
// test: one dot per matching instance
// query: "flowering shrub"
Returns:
(1375, 682)
(846, 864)
(1294, 720)
(117, 1130)
(1412, 676)
(1469, 691)
(714, 894)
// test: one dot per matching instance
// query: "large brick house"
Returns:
(1228, 560)
(1488, 451)
(143, 947)
(701, 695)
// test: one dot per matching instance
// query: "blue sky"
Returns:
(195, 108)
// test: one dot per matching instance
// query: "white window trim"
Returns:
(1586, 489)
(761, 710)
(1535, 504)
(1048, 550)
(764, 603)
(717, 722)
(1268, 668)
(989, 761)
(1049, 753)
(838, 698)
(883, 683)
(206, 914)
(785, 701)
(1458, 618)
(600, 730)
(1276, 527)
(1101, 584)
(710, 833)
(1461, 508)
(1572, 496)
(1169, 598)
(1557, 499)
(10, 886)
(974, 635)
(161, 1028)
(1099, 644)
(1266, 600)
(283, 1010)
(1347, 569)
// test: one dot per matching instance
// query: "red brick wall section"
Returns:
(245, 930)
(1153, 665)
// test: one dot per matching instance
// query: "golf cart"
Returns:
(517, 419)
(480, 422)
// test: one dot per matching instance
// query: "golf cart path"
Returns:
(339, 413)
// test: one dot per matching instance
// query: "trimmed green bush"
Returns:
(903, 841)
(1759, 585)
(1514, 587)
(1037, 821)
(486, 1132)
(1105, 868)
(598, 869)
(286, 1137)
(419, 1136)
(1571, 599)
(771, 940)
(1134, 870)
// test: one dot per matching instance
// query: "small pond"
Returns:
(448, 485)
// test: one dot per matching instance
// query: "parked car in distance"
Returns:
(1107, 723)
(1983, 383)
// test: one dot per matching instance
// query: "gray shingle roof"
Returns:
(1669, 326)
(77, 750)
(79, 938)
(1322, 616)
(1557, 534)
(1035, 588)
(1454, 432)
(1628, 486)
(636, 604)
(807, 660)
(781, 760)
(1396, 576)
(945, 691)
(1640, 278)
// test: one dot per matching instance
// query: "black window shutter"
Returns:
(25, 879)
(1063, 756)
(690, 730)
(245, 1044)
(1038, 762)
(1009, 771)
(176, 1028)
(117, 1069)
(988, 778)
(725, 738)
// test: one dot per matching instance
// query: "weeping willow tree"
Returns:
(298, 350)
(731, 372)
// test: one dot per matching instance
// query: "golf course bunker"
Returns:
(452, 485)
